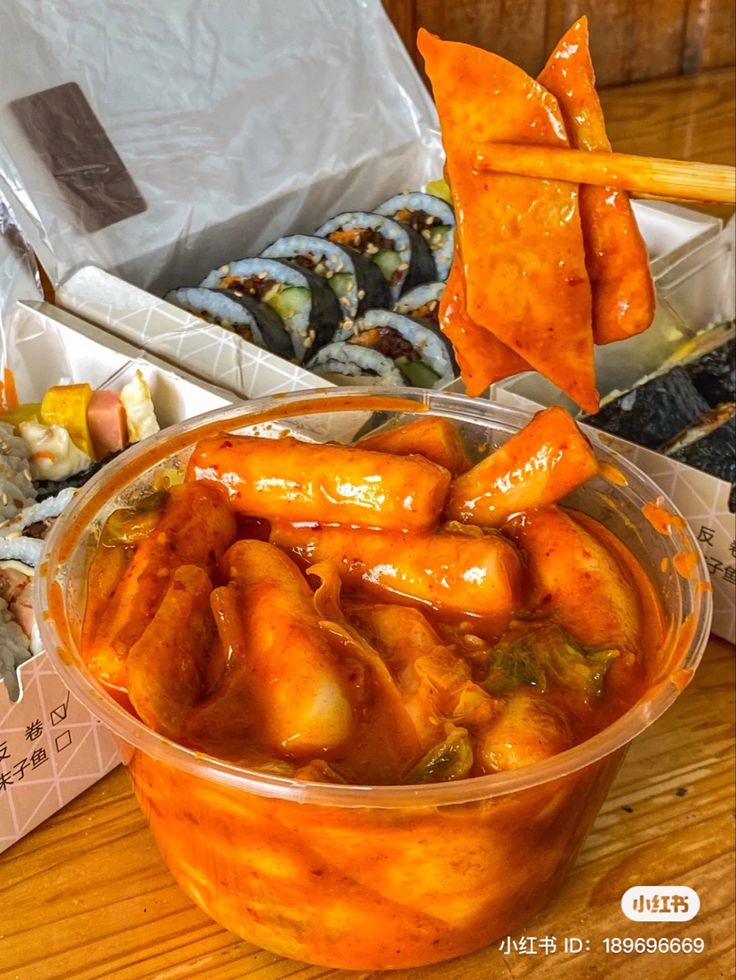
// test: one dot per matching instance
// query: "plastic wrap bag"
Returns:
(225, 155)
(19, 276)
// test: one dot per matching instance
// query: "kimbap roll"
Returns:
(344, 363)
(357, 282)
(710, 444)
(652, 413)
(416, 347)
(430, 217)
(422, 301)
(400, 253)
(306, 304)
(713, 370)
(245, 316)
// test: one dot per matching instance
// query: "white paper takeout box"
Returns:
(52, 748)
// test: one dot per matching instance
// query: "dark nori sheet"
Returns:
(653, 413)
(714, 374)
(714, 452)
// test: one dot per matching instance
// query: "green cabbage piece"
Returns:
(544, 656)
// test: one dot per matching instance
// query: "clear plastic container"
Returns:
(368, 877)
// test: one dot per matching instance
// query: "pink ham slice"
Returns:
(107, 425)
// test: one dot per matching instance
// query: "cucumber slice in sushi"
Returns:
(245, 316)
(422, 301)
(415, 346)
(400, 253)
(303, 300)
(356, 282)
(344, 363)
(430, 217)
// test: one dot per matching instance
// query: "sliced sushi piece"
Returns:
(709, 444)
(400, 253)
(416, 347)
(430, 217)
(422, 301)
(344, 363)
(306, 304)
(357, 282)
(243, 315)
(652, 413)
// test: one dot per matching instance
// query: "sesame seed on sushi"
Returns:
(243, 315)
(357, 282)
(344, 363)
(401, 254)
(430, 217)
(416, 347)
(421, 301)
(306, 304)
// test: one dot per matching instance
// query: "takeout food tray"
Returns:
(51, 748)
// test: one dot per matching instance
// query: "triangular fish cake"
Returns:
(520, 238)
(616, 256)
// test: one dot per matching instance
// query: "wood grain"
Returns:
(87, 896)
(630, 40)
(684, 118)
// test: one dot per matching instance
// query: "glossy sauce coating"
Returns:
(453, 573)
(522, 252)
(480, 651)
(434, 437)
(534, 468)
(298, 481)
(616, 256)
(482, 358)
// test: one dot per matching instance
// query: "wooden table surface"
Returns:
(86, 895)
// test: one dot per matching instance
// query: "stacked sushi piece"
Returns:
(356, 302)
(47, 450)
(685, 410)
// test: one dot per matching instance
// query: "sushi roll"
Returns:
(400, 253)
(652, 413)
(415, 346)
(430, 217)
(306, 304)
(709, 444)
(422, 301)
(344, 363)
(243, 315)
(357, 282)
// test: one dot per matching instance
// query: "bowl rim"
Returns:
(138, 459)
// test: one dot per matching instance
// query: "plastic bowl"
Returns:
(366, 877)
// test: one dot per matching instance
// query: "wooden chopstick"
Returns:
(677, 180)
